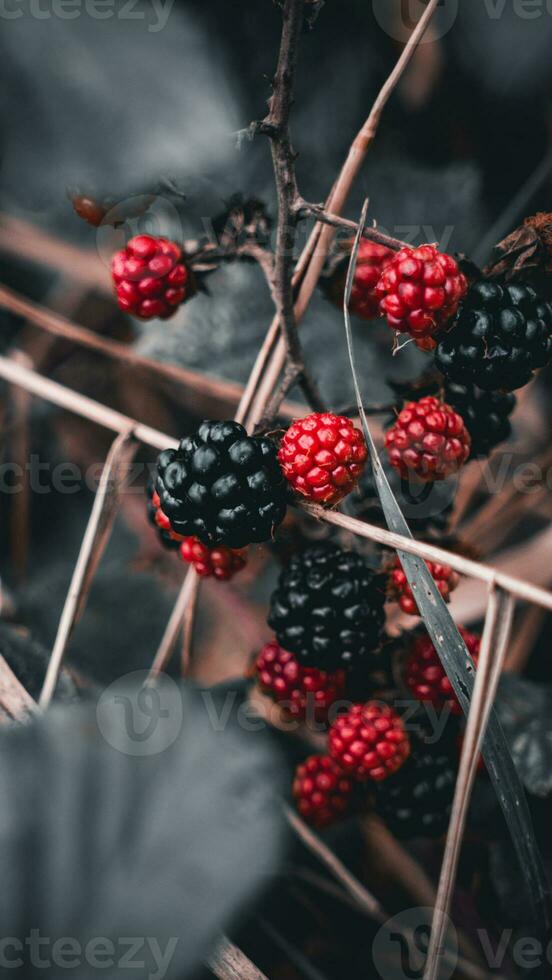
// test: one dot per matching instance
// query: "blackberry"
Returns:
(501, 334)
(172, 544)
(426, 506)
(416, 801)
(222, 486)
(485, 414)
(328, 608)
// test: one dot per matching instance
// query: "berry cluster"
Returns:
(222, 486)
(418, 800)
(220, 562)
(322, 456)
(424, 673)
(150, 277)
(485, 414)
(446, 580)
(500, 336)
(369, 741)
(328, 608)
(428, 439)
(371, 261)
(321, 791)
(301, 691)
(419, 291)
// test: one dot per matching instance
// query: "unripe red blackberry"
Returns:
(220, 562)
(398, 589)
(425, 675)
(419, 291)
(150, 277)
(322, 456)
(500, 336)
(222, 486)
(304, 692)
(371, 261)
(322, 792)
(369, 741)
(428, 439)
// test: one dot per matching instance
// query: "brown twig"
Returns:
(113, 478)
(498, 622)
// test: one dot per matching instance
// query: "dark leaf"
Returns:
(525, 712)
(141, 818)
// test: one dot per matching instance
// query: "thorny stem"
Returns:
(276, 126)
(273, 361)
(303, 209)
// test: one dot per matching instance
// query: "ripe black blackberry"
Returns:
(416, 801)
(164, 536)
(328, 608)
(426, 506)
(500, 335)
(485, 414)
(222, 486)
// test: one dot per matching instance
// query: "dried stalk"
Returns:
(88, 408)
(19, 454)
(180, 610)
(228, 393)
(16, 704)
(363, 899)
(498, 622)
(352, 885)
(114, 475)
(429, 552)
(188, 627)
(526, 635)
(227, 962)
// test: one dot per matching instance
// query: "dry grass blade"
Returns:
(15, 703)
(362, 897)
(351, 884)
(229, 963)
(93, 545)
(454, 655)
(498, 622)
